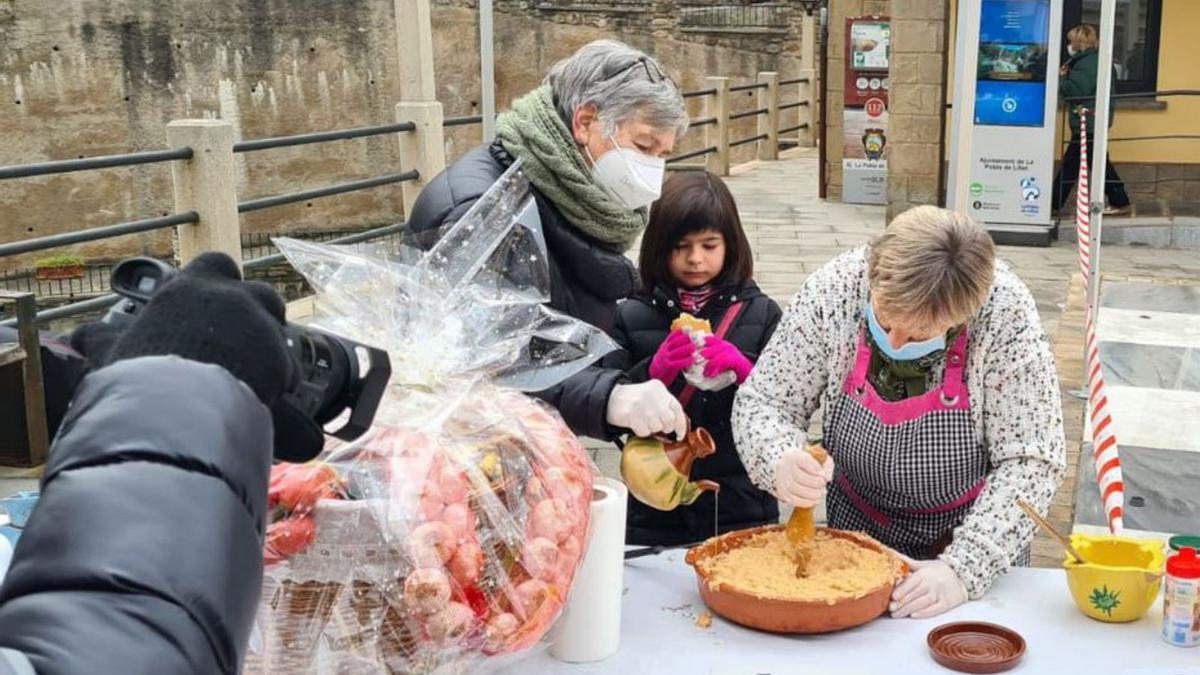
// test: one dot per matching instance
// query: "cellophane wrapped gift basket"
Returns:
(446, 538)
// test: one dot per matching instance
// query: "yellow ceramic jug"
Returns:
(1119, 579)
(656, 471)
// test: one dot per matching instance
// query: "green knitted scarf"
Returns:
(534, 133)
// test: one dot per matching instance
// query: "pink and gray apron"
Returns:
(907, 471)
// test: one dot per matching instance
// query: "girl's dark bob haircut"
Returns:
(694, 201)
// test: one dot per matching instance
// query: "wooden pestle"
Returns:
(800, 526)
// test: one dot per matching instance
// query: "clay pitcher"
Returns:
(656, 470)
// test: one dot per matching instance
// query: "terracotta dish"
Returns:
(976, 647)
(789, 615)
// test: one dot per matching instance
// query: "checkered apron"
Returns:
(906, 471)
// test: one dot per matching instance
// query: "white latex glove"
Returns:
(646, 408)
(930, 589)
(800, 480)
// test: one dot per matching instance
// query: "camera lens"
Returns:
(326, 369)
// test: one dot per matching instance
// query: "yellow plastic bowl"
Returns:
(1120, 579)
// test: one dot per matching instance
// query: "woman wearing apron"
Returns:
(940, 405)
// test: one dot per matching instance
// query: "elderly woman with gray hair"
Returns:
(592, 139)
(940, 404)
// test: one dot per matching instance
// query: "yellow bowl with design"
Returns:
(1120, 579)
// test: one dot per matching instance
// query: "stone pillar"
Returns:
(206, 184)
(423, 149)
(717, 135)
(917, 103)
(769, 123)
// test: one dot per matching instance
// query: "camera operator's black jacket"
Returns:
(101, 581)
(643, 323)
(586, 279)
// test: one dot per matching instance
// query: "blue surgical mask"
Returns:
(910, 351)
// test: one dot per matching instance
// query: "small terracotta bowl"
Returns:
(976, 647)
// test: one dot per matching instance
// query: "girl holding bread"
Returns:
(697, 325)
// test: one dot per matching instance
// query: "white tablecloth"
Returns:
(659, 636)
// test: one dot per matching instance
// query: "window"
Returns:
(1135, 39)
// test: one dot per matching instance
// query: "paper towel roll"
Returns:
(590, 627)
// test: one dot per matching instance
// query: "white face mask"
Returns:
(632, 178)
(1071, 51)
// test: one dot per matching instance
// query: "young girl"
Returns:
(695, 259)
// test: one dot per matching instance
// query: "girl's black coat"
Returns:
(643, 322)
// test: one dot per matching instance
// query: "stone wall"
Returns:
(917, 103)
(95, 77)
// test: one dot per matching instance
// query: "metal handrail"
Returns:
(760, 137)
(701, 122)
(749, 87)
(366, 235)
(749, 113)
(72, 309)
(328, 191)
(694, 153)
(96, 233)
(322, 137)
(89, 163)
(798, 80)
(1141, 94)
(462, 121)
(699, 92)
(789, 130)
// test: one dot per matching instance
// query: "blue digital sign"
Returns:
(1010, 104)
(1013, 53)
(1018, 21)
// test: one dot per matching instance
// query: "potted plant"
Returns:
(66, 266)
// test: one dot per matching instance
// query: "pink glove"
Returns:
(723, 356)
(675, 355)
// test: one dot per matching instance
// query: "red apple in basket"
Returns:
(287, 537)
(427, 590)
(431, 544)
(298, 487)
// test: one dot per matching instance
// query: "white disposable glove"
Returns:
(800, 480)
(646, 408)
(930, 589)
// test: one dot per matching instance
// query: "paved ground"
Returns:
(793, 233)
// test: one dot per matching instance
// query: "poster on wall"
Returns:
(864, 154)
(870, 44)
(865, 115)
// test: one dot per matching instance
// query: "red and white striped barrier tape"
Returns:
(1105, 452)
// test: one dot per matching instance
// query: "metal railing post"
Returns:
(716, 135)
(31, 369)
(206, 184)
(807, 111)
(768, 123)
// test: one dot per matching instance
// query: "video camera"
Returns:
(333, 374)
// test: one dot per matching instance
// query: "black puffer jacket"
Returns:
(586, 280)
(144, 553)
(643, 323)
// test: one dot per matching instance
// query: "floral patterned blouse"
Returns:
(1014, 393)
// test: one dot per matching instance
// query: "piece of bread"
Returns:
(686, 320)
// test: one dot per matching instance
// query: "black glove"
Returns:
(207, 314)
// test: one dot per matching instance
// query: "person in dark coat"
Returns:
(695, 258)
(1078, 81)
(144, 552)
(591, 140)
